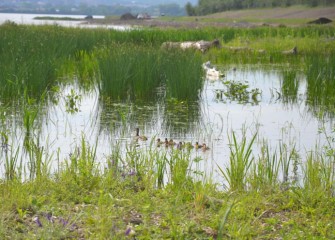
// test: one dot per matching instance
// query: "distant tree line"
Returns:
(169, 9)
(205, 7)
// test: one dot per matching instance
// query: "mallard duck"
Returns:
(138, 137)
(179, 145)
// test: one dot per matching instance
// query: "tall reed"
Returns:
(240, 161)
(182, 74)
(265, 170)
(290, 86)
(321, 83)
(81, 168)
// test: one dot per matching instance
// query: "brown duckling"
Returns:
(171, 142)
(204, 147)
(166, 142)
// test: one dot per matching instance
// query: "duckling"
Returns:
(204, 147)
(197, 146)
(138, 137)
(179, 145)
(166, 142)
(159, 142)
(171, 142)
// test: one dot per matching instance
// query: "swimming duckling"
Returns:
(204, 147)
(138, 137)
(166, 142)
(197, 146)
(159, 142)
(179, 145)
(171, 142)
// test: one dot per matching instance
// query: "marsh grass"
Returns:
(82, 166)
(182, 75)
(129, 72)
(240, 161)
(12, 164)
(290, 86)
(134, 73)
(320, 89)
(265, 172)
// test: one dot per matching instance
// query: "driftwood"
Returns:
(201, 45)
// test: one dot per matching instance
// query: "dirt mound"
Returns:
(127, 16)
(321, 20)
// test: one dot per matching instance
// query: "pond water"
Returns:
(276, 118)
(24, 18)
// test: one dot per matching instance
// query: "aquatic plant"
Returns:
(239, 92)
(320, 76)
(240, 161)
(290, 86)
(265, 170)
(72, 102)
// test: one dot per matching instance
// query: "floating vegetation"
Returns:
(72, 102)
(240, 92)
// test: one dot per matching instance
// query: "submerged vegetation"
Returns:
(145, 190)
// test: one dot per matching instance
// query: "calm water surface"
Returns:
(107, 124)
(23, 18)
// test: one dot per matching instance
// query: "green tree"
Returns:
(190, 10)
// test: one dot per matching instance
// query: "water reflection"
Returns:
(281, 115)
(290, 86)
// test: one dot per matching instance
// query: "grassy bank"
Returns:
(156, 193)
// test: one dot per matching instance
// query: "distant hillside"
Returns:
(290, 16)
(295, 12)
(205, 7)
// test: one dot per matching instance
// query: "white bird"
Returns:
(211, 72)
